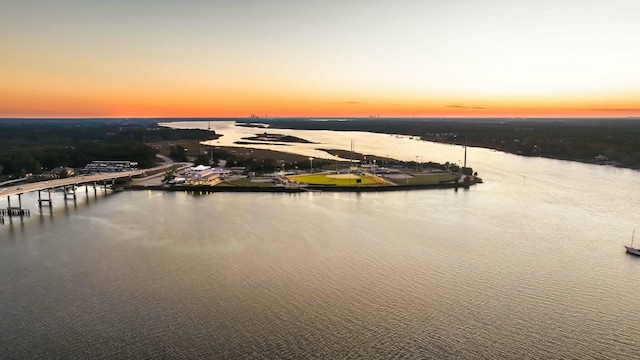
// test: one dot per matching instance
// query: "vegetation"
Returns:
(178, 153)
(610, 141)
(36, 146)
(424, 179)
(267, 137)
(322, 179)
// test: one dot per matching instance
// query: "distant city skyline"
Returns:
(428, 58)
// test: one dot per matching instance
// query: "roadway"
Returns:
(77, 180)
(57, 183)
(156, 180)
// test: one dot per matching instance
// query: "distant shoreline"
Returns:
(598, 141)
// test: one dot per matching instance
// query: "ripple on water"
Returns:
(517, 269)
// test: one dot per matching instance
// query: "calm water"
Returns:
(528, 265)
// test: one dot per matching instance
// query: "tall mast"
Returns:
(351, 160)
(465, 151)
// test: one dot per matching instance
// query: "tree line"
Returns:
(611, 141)
(38, 146)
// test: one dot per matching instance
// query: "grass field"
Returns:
(425, 179)
(320, 179)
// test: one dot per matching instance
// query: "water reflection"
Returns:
(46, 211)
(399, 147)
(529, 264)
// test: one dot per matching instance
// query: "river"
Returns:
(529, 264)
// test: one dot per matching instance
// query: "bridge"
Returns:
(49, 185)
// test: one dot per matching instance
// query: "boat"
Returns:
(630, 249)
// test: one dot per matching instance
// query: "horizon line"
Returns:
(311, 117)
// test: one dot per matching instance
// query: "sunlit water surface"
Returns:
(529, 264)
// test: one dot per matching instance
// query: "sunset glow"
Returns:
(326, 58)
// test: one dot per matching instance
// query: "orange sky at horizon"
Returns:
(492, 58)
(167, 105)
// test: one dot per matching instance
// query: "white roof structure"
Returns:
(201, 168)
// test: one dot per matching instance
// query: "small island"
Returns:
(266, 137)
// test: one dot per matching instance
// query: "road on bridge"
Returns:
(76, 180)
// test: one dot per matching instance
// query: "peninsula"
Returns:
(66, 147)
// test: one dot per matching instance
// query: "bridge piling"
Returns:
(19, 202)
(41, 200)
(86, 181)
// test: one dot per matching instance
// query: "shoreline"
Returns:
(309, 188)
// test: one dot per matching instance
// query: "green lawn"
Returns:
(320, 179)
(425, 179)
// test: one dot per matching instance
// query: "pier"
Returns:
(14, 212)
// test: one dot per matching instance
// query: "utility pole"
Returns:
(465, 151)
(351, 160)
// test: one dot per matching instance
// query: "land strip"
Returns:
(597, 141)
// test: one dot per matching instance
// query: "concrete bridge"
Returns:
(50, 185)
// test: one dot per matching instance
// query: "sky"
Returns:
(282, 58)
